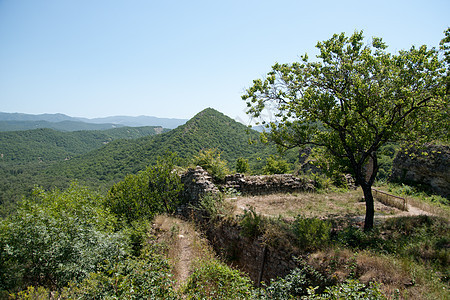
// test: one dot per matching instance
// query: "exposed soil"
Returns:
(181, 239)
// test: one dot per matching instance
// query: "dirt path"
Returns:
(184, 245)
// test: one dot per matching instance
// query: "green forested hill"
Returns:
(110, 163)
(48, 145)
(208, 129)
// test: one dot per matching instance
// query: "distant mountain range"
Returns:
(20, 121)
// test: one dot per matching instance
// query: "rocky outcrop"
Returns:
(427, 167)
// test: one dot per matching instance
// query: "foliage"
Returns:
(242, 166)
(215, 280)
(142, 196)
(209, 159)
(145, 277)
(251, 223)
(104, 166)
(423, 239)
(352, 100)
(213, 205)
(311, 233)
(295, 284)
(50, 145)
(275, 166)
(351, 289)
(56, 237)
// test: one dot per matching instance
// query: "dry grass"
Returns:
(398, 278)
(309, 205)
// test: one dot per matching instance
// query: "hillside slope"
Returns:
(51, 145)
(102, 167)
(208, 129)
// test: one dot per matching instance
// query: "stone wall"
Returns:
(428, 166)
(197, 182)
(267, 184)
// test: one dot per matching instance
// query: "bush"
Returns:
(147, 277)
(349, 290)
(56, 237)
(242, 166)
(312, 233)
(251, 223)
(275, 166)
(295, 284)
(212, 205)
(210, 160)
(150, 192)
(215, 280)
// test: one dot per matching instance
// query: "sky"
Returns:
(172, 59)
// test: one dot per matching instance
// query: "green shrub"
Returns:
(215, 280)
(150, 192)
(210, 160)
(295, 284)
(242, 166)
(275, 166)
(349, 290)
(146, 277)
(312, 233)
(56, 237)
(212, 205)
(251, 223)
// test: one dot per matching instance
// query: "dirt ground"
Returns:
(328, 205)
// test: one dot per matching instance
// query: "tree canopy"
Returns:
(351, 100)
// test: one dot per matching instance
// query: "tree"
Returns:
(242, 165)
(152, 191)
(353, 99)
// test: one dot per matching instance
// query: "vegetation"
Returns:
(153, 191)
(56, 237)
(210, 161)
(109, 164)
(353, 100)
(212, 279)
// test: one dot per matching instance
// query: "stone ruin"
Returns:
(197, 182)
(267, 184)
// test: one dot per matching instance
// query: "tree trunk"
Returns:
(370, 210)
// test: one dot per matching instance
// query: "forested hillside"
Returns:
(208, 129)
(50, 145)
(53, 159)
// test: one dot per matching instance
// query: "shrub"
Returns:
(349, 290)
(147, 277)
(242, 166)
(210, 160)
(312, 233)
(150, 192)
(295, 284)
(251, 223)
(212, 205)
(56, 237)
(214, 280)
(275, 166)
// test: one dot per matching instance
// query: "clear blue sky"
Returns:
(95, 58)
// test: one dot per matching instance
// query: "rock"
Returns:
(428, 166)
